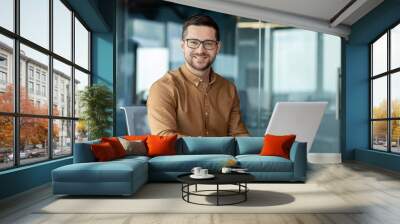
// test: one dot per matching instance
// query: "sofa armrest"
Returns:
(298, 155)
(83, 152)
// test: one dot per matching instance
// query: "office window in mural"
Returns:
(267, 62)
(385, 94)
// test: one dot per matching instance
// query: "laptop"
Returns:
(299, 118)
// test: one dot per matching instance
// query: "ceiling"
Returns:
(327, 16)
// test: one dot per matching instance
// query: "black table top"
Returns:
(220, 178)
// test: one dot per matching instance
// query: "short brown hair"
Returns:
(200, 20)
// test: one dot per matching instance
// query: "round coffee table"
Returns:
(238, 179)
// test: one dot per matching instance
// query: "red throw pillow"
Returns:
(103, 151)
(277, 145)
(161, 145)
(116, 145)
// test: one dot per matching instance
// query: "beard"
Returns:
(202, 61)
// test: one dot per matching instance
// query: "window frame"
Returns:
(16, 114)
(388, 74)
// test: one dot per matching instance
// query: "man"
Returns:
(193, 100)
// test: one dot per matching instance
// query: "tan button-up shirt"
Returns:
(181, 103)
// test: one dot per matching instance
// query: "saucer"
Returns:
(208, 176)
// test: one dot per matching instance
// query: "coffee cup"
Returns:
(203, 172)
(196, 170)
(226, 170)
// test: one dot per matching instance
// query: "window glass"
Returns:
(395, 47)
(294, 53)
(395, 136)
(62, 138)
(379, 56)
(62, 91)
(81, 131)
(6, 74)
(34, 21)
(33, 140)
(81, 45)
(395, 95)
(62, 29)
(379, 98)
(379, 135)
(7, 14)
(30, 58)
(6, 142)
(81, 81)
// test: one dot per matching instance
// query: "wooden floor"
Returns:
(377, 188)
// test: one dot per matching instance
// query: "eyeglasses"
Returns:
(207, 44)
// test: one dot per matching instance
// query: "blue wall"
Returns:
(24, 178)
(356, 82)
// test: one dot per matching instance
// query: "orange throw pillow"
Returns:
(116, 145)
(103, 151)
(277, 145)
(161, 145)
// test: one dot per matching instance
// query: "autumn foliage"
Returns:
(380, 127)
(33, 130)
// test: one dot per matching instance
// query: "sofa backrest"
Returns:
(83, 152)
(249, 145)
(206, 145)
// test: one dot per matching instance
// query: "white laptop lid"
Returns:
(299, 118)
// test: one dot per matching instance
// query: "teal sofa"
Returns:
(125, 176)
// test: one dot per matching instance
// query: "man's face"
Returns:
(200, 58)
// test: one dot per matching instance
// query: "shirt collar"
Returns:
(194, 78)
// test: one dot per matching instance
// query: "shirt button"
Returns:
(206, 132)
(206, 113)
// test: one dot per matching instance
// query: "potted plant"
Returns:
(96, 102)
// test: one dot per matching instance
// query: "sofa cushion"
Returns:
(116, 145)
(257, 163)
(277, 145)
(161, 145)
(111, 171)
(249, 145)
(185, 163)
(103, 152)
(135, 147)
(206, 145)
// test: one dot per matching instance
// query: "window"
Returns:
(385, 94)
(35, 22)
(37, 75)
(3, 61)
(81, 45)
(53, 125)
(43, 90)
(38, 89)
(7, 14)
(3, 78)
(30, 72)
(30, 87)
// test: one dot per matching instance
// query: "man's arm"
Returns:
(236, 126)
(161, 109)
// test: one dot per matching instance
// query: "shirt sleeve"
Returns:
(161, 109)
(236, 125)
